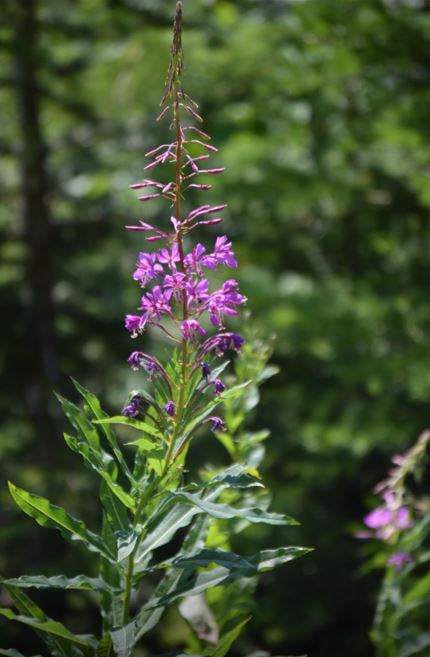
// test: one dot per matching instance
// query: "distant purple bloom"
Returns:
(387, 519)
(399, 560)
(206, 369)
(377, 518)
(170, 408)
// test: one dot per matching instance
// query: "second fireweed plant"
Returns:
(150, 502)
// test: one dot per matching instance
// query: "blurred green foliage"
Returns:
(320, 110)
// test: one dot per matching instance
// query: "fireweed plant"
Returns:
(401, 526)
(151, 502)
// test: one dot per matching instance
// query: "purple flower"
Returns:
(399, 560)
(378, 518)
(147, 268)
(197, 291)
(156, 303)
(387, 519)
(132, 408)
(223, 254)
(190, 327)
(169, 257)
(206, 369)
(134, 324)
(224, 302)
(175, 284)
(221, 343)
(135, 360)
(194, 259)
(170, 408)
(217, 423)
(219, 387)
(237, 341)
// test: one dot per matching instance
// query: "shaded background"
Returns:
(320, 110)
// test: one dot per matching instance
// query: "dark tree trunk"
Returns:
(35, 219)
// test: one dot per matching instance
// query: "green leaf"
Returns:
(115, 512)
(58, 647)
(192, 585)
(235, 391)
(206, 557)
(104, 648)
(50, 627)
(99, 461)
(248, 566)
(123, 640)
(13, 653)
(99, 414)
(415, 645)
(80, 582)
(162, 529)
(194, 540)
(227, 639)
(225, 511)
(143, 444)
(419, 590)
(140, 425)
(80, 422)
(126, 542)
(242, 479)
(269, 559)
(50, 515)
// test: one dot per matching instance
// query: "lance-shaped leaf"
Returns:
(206, 557)
(247, 566)
(78, 583)
(234, 391)
(163, 527)
(195, 539)
(50, 627)
(55, 517)
(115, 512)
(269, 559)
(225, 511)
(100, 461)
(11, 652)
(58, 647)
(227, 639)
(192, 584)
(126, 542)
(104, 648)
(140, 425)
(123, 640)
(99, 414)
(80, 422)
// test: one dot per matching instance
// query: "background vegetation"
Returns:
(320, 111)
